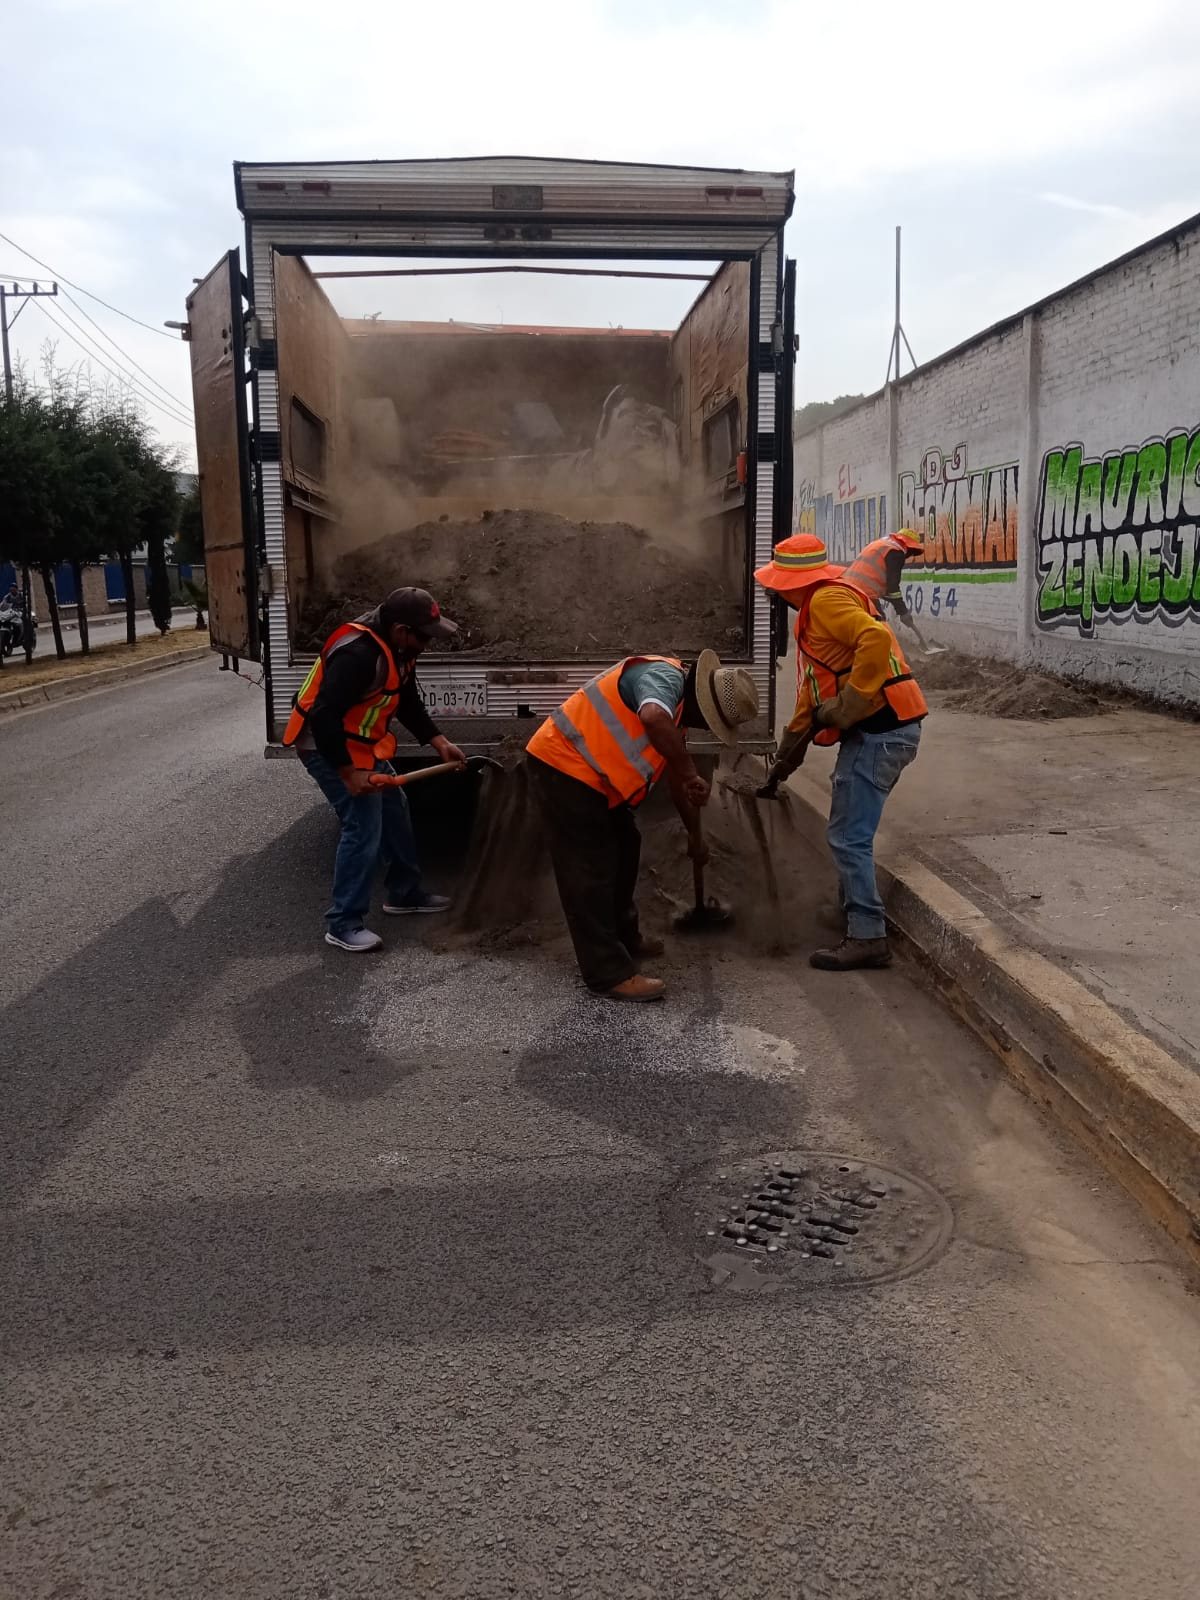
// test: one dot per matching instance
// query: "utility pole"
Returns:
(15, 292)
(898, 332)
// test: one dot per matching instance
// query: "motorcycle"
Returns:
(12, 629)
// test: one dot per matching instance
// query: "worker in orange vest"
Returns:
(878, 570)
(340, 727)
(592, 763)
(855, 690)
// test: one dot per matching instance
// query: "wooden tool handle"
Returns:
(388, 780)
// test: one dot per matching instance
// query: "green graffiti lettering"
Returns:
(1177, 583)
(1152, 471)
(1073, 585)
(1191, 477)
(1150, 582)
(1050, 590)
(1118, 489)
(1097, 576)
(1120, 533)
(1177, 444)
(1060, 490)
(1125, 569)
(1089, 499)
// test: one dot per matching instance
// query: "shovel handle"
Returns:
(698, 882)
(392, 780)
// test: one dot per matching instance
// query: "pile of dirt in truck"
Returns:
(529, 585)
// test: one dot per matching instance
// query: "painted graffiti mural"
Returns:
(1117, 533)
(806, 502)
(967, 516)
(845, 525)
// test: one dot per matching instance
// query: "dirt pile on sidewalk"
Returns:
(529, 584)
(1003, 689)
(505, 897)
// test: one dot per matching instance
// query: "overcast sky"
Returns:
(1019, 143)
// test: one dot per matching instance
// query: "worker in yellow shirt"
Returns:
(855, 690)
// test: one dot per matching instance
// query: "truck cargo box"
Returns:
(570, 493)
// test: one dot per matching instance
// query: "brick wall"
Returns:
(1052, 468)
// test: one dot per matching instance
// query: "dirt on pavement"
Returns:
(506, 898)
(525, 585)
(1003, 689)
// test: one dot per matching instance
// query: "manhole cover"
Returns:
(813, 1219)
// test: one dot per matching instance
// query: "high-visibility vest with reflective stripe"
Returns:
(597, 739)
(365, 724)
(868, 571)
(901, 690)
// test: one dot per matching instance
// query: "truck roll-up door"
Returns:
(783, 339)
(216, 333)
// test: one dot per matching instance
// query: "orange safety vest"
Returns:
(901, 691)
(868, 571)
(365, 724)
(597, 739)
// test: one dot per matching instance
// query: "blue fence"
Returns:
(114, 582)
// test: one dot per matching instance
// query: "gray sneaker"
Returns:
(358, 941)
(423, 905)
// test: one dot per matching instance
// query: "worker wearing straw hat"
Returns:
(593, 762)
(855, 690)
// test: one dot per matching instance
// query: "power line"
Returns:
(79, 289)
(125, 356)
(103, 355)
(147, 399)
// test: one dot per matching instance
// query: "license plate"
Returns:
(466, 697)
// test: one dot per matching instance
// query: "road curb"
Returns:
(1117, 1091)
(37, 694)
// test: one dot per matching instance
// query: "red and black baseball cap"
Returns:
(418, 610)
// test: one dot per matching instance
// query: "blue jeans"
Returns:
(868, 766)
(373, 825)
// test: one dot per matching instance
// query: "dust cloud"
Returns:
(760, 866)
(535, 485)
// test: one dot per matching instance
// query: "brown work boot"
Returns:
(648, 946)
(852, 954)
(636, 988)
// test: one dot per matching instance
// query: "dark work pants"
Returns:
(595, 850)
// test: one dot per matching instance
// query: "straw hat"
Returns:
(797, 563)
(726, 696)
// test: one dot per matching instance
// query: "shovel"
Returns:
(708, 912)
(401, 780)
(927, 648)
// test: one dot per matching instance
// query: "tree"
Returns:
(159, 518)
(31, 480)
(818, 411)
(82, 476)
(85, 484)
(148, 513)
(189, 540)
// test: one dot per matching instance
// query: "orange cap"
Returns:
(909, 539)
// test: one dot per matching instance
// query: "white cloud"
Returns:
(1091, 208)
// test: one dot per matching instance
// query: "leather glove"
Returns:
(844, 710)
(792, 750)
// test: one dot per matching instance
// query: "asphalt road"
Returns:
(330, 1278)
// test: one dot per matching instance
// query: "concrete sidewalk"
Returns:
(1077, 837)
(1039, 871)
